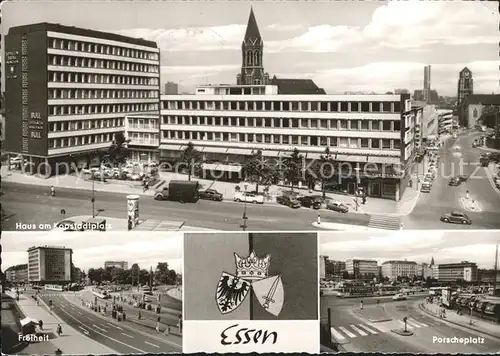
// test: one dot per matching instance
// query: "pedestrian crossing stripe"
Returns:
(352, 331)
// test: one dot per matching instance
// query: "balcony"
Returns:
(143, 142)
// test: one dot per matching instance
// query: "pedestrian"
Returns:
(59, 329)
(167, 330)
(139, 315)
(158, 325)
(40, 323)
(361, 305)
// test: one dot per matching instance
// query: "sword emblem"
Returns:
(269, 298)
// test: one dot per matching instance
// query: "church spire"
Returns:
(252, 35)
(432, 261)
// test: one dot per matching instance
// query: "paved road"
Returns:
(122, 339)
(31, 205)
(354, 331)
(443, 198)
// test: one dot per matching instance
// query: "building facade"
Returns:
(453, 272)
(394, 269)
(427, 83)
(362, 269)
(69, 90)
(171, 88)
(373, 134)
(465, 88)
(488, 276)
(116, 264)
(424, 270)
(142, 134)
(17, 274)
(50, 264)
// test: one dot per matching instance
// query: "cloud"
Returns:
(91, 249)
(284, 28)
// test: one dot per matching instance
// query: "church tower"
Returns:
(252, 51)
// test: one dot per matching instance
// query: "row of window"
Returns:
(72, 45)
(140, 138)
(328, 124)
(91, 78)
(59, 110)
(341, 142)
(81, 62)
(251, 105)
(148, 124)
(85, 125)
(103, 94)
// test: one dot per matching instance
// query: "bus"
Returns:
(356, 291)
(54, 287)
(100, 293)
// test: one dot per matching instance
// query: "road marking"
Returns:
(103, 330)
(413, 323)
(127, 335)
(379, 326)
(359, 331)
(371, 331)
(114, 326)
(79, 313)
(418, 323)
(338, 336)
(84, 330)
(347, 332)
(151, 344)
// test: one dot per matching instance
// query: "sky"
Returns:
(92, 249)
(343, 46)
(444, 246)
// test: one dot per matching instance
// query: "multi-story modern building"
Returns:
(362, 269)
(465, 88)
(17, 274)
(488, 276)
(116, 264)
(427, 82)
(452, 272)
(69, 90)
(424, 270)
(142, 134)
(394, 269)
(49, 264)
(171, 88)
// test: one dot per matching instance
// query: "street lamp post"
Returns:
(93, 193)
(245, 218)
(357, 169)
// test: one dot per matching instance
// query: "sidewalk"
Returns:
(345, 227)
(465, 321)
(70, 342)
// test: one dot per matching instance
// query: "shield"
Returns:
(270, 294)
(231, 292)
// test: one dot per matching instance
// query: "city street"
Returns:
(117, 336)
(372, 329)
(443, 198)
(32, 205)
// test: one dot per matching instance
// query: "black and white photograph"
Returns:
(382, 115)
(239, 282)
(79, 294)
(408, 292)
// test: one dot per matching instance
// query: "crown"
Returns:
(252, 267)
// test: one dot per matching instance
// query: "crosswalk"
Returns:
(351, 331)
(386, 222)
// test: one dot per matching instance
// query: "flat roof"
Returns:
(77, 31)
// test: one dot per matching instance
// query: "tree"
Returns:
(134, 273)
(118, 151)
(259, 171)
(292, 168)
(322, 171)
(190, 157)
(172, 277)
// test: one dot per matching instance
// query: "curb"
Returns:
(128, 327)
(457, 324)
(379, 320)
(402, 332)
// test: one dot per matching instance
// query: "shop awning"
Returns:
(171, 147)
(221, 167)
(267, 153)
(215, 149)
(239, 151)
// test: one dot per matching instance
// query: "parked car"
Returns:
(337, 206)
(456, 217)
(288, 201)
(210, 194)
(249, 198)
(454, 181)
(312, 201)
(399, 296)
(493, 310)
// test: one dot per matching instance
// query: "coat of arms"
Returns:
(251, 274)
